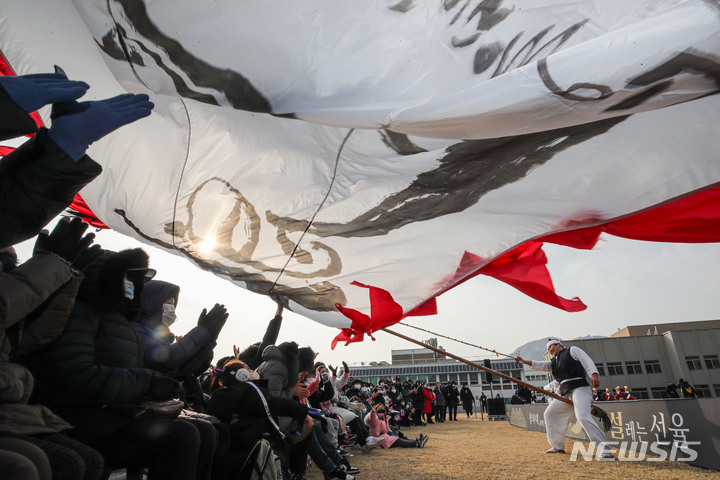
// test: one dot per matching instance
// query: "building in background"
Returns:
(429, 366)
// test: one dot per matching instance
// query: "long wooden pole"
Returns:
(481, 367)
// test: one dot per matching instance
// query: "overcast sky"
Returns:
(623, 282)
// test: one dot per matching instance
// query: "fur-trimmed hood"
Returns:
(103, 287)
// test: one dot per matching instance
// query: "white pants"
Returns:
(559, 414)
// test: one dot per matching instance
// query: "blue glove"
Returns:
(31, 92)
(318, 415)
(76, 125)
(315, 413)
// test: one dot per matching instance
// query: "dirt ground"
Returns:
(472, 449)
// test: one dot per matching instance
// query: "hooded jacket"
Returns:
(280, 368)
(98, 359)
(161, 352)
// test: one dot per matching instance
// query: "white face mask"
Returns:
(129, 289)
(168, 314)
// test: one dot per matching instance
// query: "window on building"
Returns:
(639, 393)
(711, 361)
(444, 378)
(615, 368)
(601, 369)
(658, 392)
(474, 378)
(716, 386)
(633, 368)
(703, 391)
(653, 366)
(693, 363)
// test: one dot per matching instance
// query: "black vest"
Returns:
(564, 366)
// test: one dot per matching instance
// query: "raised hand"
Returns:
(75, 125)
(67, 241)
(31, 92)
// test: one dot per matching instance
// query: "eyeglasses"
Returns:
(144, 274)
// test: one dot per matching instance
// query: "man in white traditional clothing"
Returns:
(570, 367)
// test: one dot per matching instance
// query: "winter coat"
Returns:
(37, 180)
(453, 396)
(161, 352)
(429, 397)
(467, 397)
(241, 407)
(16, 416)
(98, 359)
(280, 368)
(439, 397)
(324, 393)
(35, 302)
(380, 428)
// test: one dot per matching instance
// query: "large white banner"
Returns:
(298, 147)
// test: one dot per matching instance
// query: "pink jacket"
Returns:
(379, 428)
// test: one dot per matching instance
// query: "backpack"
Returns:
(262, 463)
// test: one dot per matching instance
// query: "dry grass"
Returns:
(472, 449)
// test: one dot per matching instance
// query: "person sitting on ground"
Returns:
(239, 397)
(184, 359)
(190, 355)
(281, 368)
(36, 299)
(379, 426)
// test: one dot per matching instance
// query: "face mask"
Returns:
(129, 289)
(364, 389)
(392, 390)
(168, 314)
(357, 385)
(324, 377)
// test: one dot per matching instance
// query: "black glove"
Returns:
(333, 370)
(214, 320)
(163, 388)
(345, 366)
(66, 239)
(87, 256)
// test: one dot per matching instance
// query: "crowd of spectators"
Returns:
(92, 379)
